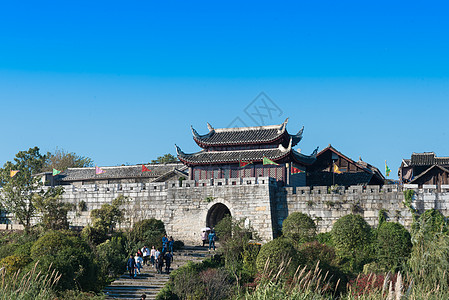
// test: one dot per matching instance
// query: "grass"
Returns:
(31, 285)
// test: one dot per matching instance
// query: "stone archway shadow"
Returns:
(216, 213)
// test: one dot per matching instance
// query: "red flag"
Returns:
(297, 170)
(243, 164)
(145, 169)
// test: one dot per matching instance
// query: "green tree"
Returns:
(61, 160)
(19, 190)
(52, 211)
(105, 220)
(299, 227)
(166, 158)
(352, 238)
(147, 232)
(393, 246)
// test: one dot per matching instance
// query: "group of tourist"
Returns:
(211, 237)
(157, 258)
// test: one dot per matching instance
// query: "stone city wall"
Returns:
(326, 206)
(185, 209)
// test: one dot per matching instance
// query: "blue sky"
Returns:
(122, 82)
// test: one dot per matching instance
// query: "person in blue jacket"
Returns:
(212, 237)
(131, 265)
(164, 243)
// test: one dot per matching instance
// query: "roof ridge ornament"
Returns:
(300, 132)
(178, 150)
(289, 147)
(283, 126)
(194, 132)
(210, 127)
(196, 136)
(297, 137)
(315, 152)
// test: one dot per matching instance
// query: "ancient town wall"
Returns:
(326, 205)
(186, 208)
(183, 208)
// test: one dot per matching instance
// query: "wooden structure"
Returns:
(348, 173)
(225, 149)
(425, 168)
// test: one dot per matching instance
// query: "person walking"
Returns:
(171, 242)
(160, 263)
(204, 237)
(164, 243)
(146, 255)
(168, 260)
(139, 261)
(152, 256)
(131, 265)
(212, 237)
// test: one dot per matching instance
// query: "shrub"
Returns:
(216, 284)
(112, 257)
(237, 251)
(314, 254)
(149, 232)
(393, 246)
(276, 253)
(70, 256)
(50, 244)
(325, 238)
(13, 263)
(299, 227)
(352, 238)
(94, 235)
(186, 282)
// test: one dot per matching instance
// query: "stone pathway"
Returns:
(149, 282)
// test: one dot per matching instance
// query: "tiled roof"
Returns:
(255, 155)
(423, 159)
(245, 135)
(135, 171)
(428, 159)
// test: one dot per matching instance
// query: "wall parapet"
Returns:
(161, 186)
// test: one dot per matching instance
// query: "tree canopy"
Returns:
(166, 158)
(299, 227)
(61, 160)
(20, 189)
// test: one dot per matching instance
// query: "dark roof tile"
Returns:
(135, 171)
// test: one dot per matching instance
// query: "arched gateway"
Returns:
(216, 213)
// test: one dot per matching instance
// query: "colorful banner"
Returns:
(56, 172)
(99, 170)
(145, 169)
(387, 169)
(243, 164)
(267, 161)
(336, 169)
(13, 173)
(296, 170)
